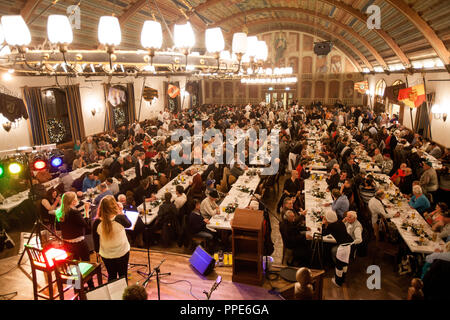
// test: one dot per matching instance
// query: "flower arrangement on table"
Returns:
(155, 203)
(252, 173)
(244, 189)
(230, 208)
(394, 198)
(318, 194)
(417, 229)
(317, 214)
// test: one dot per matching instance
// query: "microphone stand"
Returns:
(144, 274)
(157, 271)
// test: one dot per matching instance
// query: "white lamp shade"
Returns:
(214, 40)
(2, 35)
(151, 35)
(239, 44)
(184, 36)
(252, 44)
(109, 31)
(16, 31)
(262, 51)
(59, 29)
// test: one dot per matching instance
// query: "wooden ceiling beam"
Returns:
(362, 17)
(308, 23)
(131, 11)
(424, 28)
(29, 8)
(345, 27)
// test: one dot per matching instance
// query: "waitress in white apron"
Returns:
(342, 251)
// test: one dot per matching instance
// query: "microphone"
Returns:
(214, 287)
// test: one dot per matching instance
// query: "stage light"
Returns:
(55, 254)
(56, 162)
(14, 168)
(39, 165)
(2, 171)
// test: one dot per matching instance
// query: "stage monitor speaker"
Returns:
(322, 48)
(202, 261)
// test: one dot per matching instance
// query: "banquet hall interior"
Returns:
(224, 149)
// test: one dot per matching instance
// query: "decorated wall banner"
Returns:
(362, 86)
(149, 94)
(173, 91)
(413, 96)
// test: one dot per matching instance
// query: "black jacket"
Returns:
(338, 231)
(73, 226)
(196, 223)
(293, 234)
(333, 181)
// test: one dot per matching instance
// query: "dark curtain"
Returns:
(32, 99)
(75, 112)
(109, 113)
(131, 108)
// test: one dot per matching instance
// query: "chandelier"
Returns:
(247, 57)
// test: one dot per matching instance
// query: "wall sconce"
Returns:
(7, 126)
(439, 112)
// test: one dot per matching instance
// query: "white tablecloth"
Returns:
(235, 195)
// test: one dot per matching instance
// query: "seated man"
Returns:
(294, 237)
(378, 209)
(104, 191)
(113, 186)
(209, 207)
(180, 198)
(90, 181)
(340, 203)
(197, 224)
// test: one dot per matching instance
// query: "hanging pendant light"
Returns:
(16, 31)
(184, 37)
(59, 31)
(239, 44)
(109, 33)
(214, 40)
(151, 35)
(262, 51)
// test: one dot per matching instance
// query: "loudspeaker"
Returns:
(202, 261)
(322, 48)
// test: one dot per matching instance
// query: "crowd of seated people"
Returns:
(146, 149)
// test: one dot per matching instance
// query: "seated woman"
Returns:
(347, 189)
(49, 205)
(435, 219)
(419, 201)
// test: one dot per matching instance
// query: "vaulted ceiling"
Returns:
(410, 29)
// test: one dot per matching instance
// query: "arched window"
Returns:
(57, 115)
(333, 89)
(319, 91)
(379, 88)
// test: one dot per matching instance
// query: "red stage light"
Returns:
(55, 254)
(39, 165)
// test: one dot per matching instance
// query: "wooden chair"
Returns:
(76, 274)
(384, 247)
(40, 262)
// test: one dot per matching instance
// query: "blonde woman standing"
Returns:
(110, 239)
(73, 226)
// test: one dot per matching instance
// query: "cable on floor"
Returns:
(190, 284)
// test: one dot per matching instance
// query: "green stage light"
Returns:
(2, 171)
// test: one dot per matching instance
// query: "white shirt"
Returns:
(114, 187)
(116, 245)
(180, 201)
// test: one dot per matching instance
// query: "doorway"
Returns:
(286, 95)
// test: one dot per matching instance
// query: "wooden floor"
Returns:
(393, 286)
